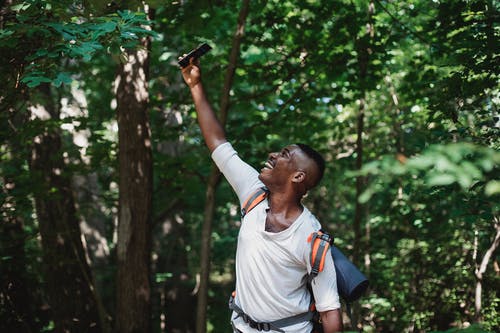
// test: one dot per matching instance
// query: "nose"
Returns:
(272, 155)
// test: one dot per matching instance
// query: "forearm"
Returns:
(210, 126)
(331, 321)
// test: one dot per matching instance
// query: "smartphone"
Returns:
(196, 53)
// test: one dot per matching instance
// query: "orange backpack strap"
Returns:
(320, 245)
(256, 198)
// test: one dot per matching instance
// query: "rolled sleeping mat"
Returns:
(351, 283)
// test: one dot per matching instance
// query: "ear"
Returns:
(299, 177)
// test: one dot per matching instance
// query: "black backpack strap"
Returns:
(349, 313)
(276, 325)
(256, 198)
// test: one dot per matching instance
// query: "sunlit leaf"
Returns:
(440, 179)
(492, 188)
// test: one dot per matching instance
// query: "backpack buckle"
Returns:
(325, 237)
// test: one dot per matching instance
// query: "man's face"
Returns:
(281, 166)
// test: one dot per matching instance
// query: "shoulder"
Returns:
(309, 225)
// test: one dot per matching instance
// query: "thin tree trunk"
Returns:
(72, 297)
(202, 301)
(18, 300)
(214, 180)
(398, 133)
(20, 303)
(364, 51)
(133, 299)
(481, 269)
(360, 183)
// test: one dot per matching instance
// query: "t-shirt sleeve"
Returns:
(241, 176)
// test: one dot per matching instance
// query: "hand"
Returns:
(192, 73)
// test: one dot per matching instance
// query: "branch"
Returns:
(233, 59)
(273, 88)
(395, 19)
(247, 130)
(487, 256)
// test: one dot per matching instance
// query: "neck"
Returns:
(288, 206)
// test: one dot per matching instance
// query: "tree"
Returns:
(429, 195)
(135, 183)
(67, 272)
(215, 175)
(38, 34)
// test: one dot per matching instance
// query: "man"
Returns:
(273, 255)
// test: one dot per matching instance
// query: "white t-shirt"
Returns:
(272, 268)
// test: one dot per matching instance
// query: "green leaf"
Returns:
(471, 170)
(103, 29)
(421, 162)
(366, 195)
(61, 78)
(441, 179)
(20, 7)
(162, 277)
(492, 188)
(107, 26)
(34, 81)
(65, 30)
(126, 14)
(5, 33)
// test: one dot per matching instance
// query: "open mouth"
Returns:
(268, 165)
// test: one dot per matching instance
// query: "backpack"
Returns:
(351, 283)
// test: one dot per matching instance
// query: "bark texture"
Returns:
(133, 304)
(71, 294)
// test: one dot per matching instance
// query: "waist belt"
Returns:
(275, 325)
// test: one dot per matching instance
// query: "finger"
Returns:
(186, 69)
(194, 61)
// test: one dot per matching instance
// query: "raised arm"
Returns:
(211, 128)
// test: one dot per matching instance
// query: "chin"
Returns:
(262, 178)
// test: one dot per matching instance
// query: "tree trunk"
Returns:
(398, 133)
(71, 294)
(482, 269)
(202, 301)
(19, 302)
(360, 183)
(364, 51)
(214, 180)
(133, 302)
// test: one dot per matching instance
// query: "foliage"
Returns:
(42, 32)
(473, 168)
(471, 329)
(428, 76)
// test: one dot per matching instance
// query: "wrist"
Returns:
(194, 84)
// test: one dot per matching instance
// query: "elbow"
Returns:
(332, 321)
(214, 143)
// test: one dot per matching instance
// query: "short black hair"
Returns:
(316, 157)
